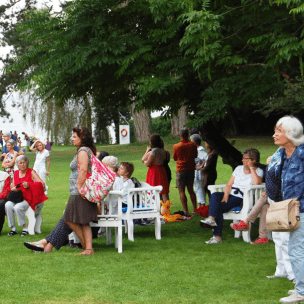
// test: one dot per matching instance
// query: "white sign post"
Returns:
(124, 134)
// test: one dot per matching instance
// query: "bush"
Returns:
(161, 126)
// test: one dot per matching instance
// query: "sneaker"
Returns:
(208, 221)
(292, 291)
(241, 226)
(214, 240)
(294, 298)
(260, 241)
(276, 276)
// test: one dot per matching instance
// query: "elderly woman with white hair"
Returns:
(288, 166)
(32, 188)
(59, 235)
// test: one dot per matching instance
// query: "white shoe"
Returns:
(294, 298)
(208, 221)
(214, 240)
(291, 291)
(276, 276)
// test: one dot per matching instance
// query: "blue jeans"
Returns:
(218, 208)
(296, 254)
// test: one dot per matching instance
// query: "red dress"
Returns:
(157, 176)
(34, 194)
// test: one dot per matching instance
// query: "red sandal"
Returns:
(241, 226)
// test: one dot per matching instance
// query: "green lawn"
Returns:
(180, 268)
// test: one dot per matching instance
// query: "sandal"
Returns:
(35, 247)
(24, 233)
(12, 232)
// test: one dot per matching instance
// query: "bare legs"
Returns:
(183, 197)
(84, 233)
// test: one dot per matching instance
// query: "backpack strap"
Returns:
(89, 155)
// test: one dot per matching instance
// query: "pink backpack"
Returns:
(97, 184)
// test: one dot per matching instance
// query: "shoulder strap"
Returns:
(89, 155)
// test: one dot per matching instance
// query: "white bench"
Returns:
(34, 219)
(109, 220)
(143, 202)
(251, 195)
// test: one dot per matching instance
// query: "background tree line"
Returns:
(221, 61)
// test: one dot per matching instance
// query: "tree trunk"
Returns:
(142, 124)
(231, 156)
(178, 122)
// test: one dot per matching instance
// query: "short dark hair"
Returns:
(129, 167)
(184, 133)
(155, 141)
(194, 131)
(254, 154)
(102, 154)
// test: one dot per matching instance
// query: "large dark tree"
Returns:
(215, 58)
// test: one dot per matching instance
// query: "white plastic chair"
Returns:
(112, 218)
(34, 219)
(143, 202)
(251, 194)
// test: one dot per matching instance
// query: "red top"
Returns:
(184, 154)
(6, 189)
(34, 194)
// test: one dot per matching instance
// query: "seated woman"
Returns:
(5, 188)
(32, 188)
(9, 159)
(59, 235)
(221, 202)
(260, 207)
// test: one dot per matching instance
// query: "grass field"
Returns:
(180, 268)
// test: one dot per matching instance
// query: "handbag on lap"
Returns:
(283, 216)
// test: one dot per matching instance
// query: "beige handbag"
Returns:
(283, 216)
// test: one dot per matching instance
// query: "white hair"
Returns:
(111, 161)
(293, 129)
(20, 157)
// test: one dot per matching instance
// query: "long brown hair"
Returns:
(86, 138)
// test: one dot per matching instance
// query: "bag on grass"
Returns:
(97, 184)
(283, 216)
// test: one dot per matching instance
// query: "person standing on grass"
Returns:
(184, 153)
(199, 177)
(42, 155)
(154, 159)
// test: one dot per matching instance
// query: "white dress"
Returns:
(39, 165)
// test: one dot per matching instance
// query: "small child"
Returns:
(199, 178)
(122, 182)
(125, 171)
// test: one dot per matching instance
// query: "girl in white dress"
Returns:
(42, 155)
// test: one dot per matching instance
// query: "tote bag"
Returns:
(97, 184)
